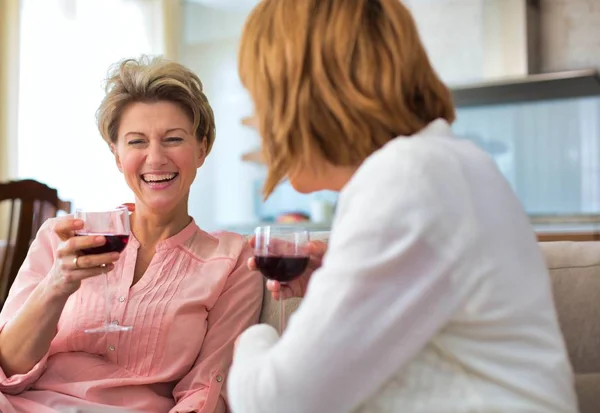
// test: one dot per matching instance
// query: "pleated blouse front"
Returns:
(196, 296)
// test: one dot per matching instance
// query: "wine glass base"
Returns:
(109, 328)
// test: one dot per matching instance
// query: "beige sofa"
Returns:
(575, 272)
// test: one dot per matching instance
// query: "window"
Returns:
(549, 151)
(67, 47)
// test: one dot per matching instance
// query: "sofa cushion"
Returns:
(270, 309)
(588, 394)
(575, 272)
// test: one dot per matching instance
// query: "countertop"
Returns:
(556, 227)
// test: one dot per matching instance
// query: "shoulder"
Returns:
(414, 184)
(416, 156)
(234, 250)
(220, 245)
(432, 159)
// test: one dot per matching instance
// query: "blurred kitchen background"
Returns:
(523, 72)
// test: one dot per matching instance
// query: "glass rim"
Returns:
(277, 255)
(104, 211)
(285, 228)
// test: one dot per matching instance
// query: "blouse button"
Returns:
(219, 378)
(111, 347)
(115, 323)
(121, 299)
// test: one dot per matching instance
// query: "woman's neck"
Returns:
(151, 227)
(337, 177)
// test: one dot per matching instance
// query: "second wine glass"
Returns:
(114, 226)
(281, 254)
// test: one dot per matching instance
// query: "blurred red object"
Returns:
(130, 206)
(292, 217)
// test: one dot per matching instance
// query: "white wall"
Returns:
(571, 34)
(453, 34)
(451, 31)
(203, 24)
(223, 192)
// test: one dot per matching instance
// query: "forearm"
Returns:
(397, 300)
(26, 338)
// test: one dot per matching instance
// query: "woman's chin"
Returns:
(163, 201)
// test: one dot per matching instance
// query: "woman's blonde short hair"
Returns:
(336, 78)
(151, 80)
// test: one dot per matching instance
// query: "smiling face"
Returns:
(158, 154)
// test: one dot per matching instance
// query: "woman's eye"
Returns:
(135, 142)
(174, 139)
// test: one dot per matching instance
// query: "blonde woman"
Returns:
(187, 293)
(433, 296)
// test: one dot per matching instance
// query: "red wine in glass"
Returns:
(281, 268)
(281, 254)
(114, 243)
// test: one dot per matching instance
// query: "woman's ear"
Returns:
(113, 149)
(202, 149)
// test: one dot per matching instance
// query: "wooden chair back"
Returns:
(30, 204)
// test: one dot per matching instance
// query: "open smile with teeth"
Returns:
(158, 178)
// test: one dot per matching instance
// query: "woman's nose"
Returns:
(156, 156)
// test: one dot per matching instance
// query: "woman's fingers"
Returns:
(76, 276)
(283, 292)
(314, 263)
(65, 227)
(90, 261)
(75, 244)
(252, 264)
(273, 286)
(75, 266)
(318, 248)
(317, 251)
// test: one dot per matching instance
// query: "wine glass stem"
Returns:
(106, 299)
(281, 311)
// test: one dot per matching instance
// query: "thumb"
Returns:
(318, 248)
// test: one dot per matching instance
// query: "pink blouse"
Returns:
(195, 298)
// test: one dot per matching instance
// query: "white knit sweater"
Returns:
(433, 298)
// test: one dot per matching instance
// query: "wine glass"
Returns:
(114, 226)
(281, 254)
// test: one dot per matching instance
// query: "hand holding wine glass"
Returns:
(70, 268)
(281, 254)
(296, 287)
